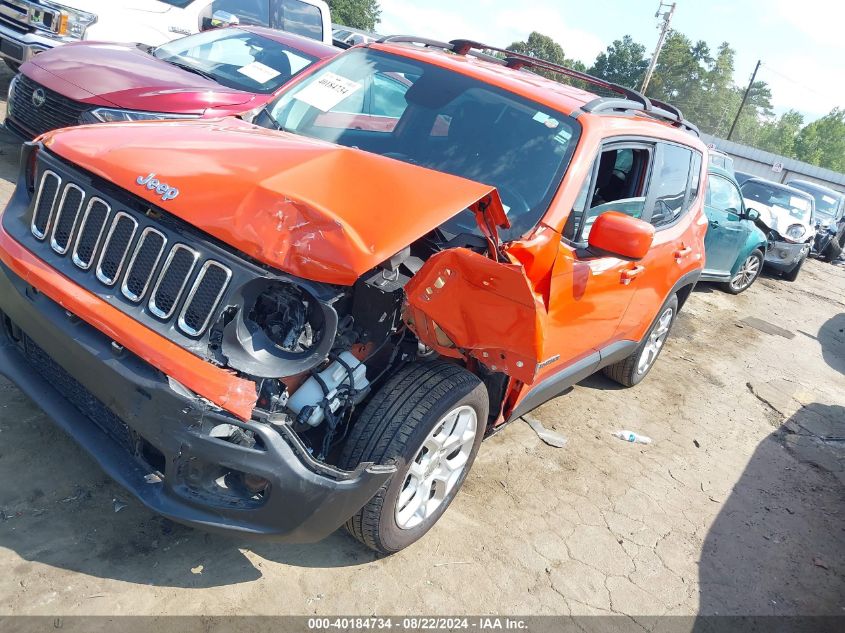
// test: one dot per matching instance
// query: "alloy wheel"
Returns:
(746, 274)
(655, 341)
(437, 467)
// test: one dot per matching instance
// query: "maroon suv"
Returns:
(222, 72)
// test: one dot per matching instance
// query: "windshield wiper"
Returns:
(192, 69)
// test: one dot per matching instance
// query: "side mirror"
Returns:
(224, 18)
(620, 235)
(752, 214)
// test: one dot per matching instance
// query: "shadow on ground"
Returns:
(782, 526)
(832, 339)
(57, 508)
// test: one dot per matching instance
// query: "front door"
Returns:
(726, 232)
(589, 293)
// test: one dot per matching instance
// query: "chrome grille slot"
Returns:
(142, 264)
(48, 191)
(115, 248)
(67, 215)
(91, 231)
(203, 298)
(170, 285)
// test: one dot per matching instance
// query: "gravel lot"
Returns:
(737, 507)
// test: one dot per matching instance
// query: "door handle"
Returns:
(682, 252)
(714, 223)
(630, 274)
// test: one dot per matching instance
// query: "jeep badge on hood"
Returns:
(161, 188)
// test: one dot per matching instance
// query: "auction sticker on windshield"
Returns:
(327, 91)
(259, 72)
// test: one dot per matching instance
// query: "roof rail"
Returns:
(630, 101)
(518, 60)
(412, 39)
(657, 109)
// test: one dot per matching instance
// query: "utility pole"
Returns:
(664, 31)
(744, 98)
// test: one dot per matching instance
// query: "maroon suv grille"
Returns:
(54, 112)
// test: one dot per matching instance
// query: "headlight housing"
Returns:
(795, 231)
(112, 115)
(73, 22)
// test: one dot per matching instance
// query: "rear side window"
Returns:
(299, 18)
(671, 183)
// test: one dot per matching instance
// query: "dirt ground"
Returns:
(736, 508)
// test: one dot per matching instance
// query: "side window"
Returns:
(256, 12)
(695, 176)
(620, 185)
(300, 18)
(722, 194)
(670, 183)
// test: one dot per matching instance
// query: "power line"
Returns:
(798, 83)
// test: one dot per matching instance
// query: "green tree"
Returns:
(359, 14)
(545, 48)
(822, 142)
(779, 135)
(680, 73)
(624, 62)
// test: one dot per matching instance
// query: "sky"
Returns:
(801, 44)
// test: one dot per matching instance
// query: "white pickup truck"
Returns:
(28, 27)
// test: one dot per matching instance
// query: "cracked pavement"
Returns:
(736, 508)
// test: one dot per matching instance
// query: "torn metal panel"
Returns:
(316, 210)
(464, 305)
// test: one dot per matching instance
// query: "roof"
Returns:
(310, 47)
(562, 97)
(816, 187)
(713, 169)
(511, 74)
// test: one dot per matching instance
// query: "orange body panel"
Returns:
(219, 386)
(487, 307)
(330, 213)
(313, 209)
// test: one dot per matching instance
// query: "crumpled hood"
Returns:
(311, 208)
(779, 219)
(127, 77)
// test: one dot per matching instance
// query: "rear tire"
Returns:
(792, 275)
(832, 252)
(632, 370)
(428, 420)
(747, 273)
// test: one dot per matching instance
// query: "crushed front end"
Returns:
(113, 320)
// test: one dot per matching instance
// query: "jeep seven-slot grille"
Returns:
(123, 254)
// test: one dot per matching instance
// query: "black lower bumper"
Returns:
(153, 437)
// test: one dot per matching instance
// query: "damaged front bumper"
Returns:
(154, 437)
(784, 256)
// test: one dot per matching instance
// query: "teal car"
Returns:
(734, 246)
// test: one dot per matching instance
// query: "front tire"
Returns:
(792, 275)
(747, 273)
(632, 370)
(832, 252)
(428, 420)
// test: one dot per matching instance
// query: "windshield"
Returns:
(237, 59)
(436, 118)
(798, 206)
(827, 203)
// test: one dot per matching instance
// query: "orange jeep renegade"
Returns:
(278, 327)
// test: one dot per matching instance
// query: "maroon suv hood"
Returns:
(127, 77)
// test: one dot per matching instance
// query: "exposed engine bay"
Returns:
(316, 352)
